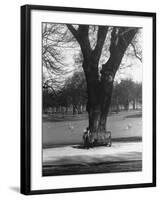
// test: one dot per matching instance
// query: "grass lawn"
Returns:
(68, 129)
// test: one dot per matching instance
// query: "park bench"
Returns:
(104, 140)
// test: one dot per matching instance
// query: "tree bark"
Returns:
(99, 99)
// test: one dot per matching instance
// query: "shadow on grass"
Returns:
(66, 117)
(137, 115)
(62, 118)
(81, 146)
(84, 147)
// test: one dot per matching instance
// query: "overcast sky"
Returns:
(134, 71)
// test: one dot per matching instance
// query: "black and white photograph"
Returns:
(79, 100)
(92, 99)
(88, 87)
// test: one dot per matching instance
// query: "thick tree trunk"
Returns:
(99, 99)
(97, 120)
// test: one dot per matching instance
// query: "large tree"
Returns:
(100, 84)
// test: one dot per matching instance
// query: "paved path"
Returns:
(125, 156)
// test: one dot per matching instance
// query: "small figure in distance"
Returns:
(109, 143)
(86, 138)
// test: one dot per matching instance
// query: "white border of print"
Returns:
(41, 183)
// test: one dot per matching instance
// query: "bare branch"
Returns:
(118, 46)
(82, 38)
(73, 31)
(127, 30)
(47, 86)
(102, 32)
(135, 51)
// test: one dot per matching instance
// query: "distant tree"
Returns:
(126, 92)
(137, 94)
(54, 40)
(75, 91)
(47, 100)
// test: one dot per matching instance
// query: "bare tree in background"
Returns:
(55, 39)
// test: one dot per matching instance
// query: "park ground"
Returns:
(62, 145)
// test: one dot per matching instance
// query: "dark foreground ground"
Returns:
(111, 167)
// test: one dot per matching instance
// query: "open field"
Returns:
(62, 130)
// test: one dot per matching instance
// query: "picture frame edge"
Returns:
(25, 143)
